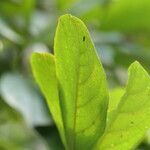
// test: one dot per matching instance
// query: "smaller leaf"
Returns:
(43, 67)
(131, 119)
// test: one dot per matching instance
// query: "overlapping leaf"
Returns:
(75, 87)
(82, 83)
(131, 118)
(82, 87)
(44, 71)
(114, 99)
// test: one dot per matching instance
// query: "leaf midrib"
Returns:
(76, 97)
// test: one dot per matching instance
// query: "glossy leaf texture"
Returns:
(82, 84)
(131, 119)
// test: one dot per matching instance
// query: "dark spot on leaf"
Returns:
(132, 122)
(83, 38)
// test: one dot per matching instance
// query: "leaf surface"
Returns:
(82, 84)
(43, 66)
(114, 99)
(131, 119)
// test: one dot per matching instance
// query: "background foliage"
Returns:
(120, 30)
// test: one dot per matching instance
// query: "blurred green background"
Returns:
(120, 30)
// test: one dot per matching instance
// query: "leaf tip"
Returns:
(37, 58)
(135, 66)
(137, 69)
(69, 17)
(64, 17)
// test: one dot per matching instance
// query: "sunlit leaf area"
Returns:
(74, 74)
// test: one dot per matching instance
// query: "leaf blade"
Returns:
(82, 84)
(43, 66)
(132, 118)
(115, 96)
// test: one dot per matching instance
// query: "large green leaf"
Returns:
(131, 119)
(82, 84)
(43, 67)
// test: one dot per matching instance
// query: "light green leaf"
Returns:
(82, 84)
(114, 99)
(131, 120)
(43, 67)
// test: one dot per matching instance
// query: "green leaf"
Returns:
(43, 67)
(114, 99)
(82, 84)
(131, 119)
